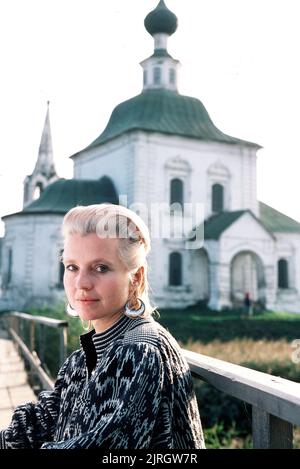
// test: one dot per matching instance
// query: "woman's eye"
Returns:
(99, 268)
(102, 268)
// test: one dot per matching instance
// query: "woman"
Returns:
(128, 386)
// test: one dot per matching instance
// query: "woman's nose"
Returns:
(83, 281)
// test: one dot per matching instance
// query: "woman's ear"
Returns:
(138, 276)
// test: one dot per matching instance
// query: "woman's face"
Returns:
(96, 282)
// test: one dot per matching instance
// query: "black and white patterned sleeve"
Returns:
(129, 386)
(34, 423)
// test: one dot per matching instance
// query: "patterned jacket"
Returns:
(126, 387)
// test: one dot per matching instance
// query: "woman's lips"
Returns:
(87, 300)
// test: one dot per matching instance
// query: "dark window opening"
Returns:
(176, 192)
(283, 274)
(217, 198)
(175, 269)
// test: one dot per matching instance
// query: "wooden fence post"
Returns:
(32, 336)
(270, 432)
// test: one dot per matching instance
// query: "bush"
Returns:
(206, 325)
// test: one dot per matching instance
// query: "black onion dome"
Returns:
(161, 20)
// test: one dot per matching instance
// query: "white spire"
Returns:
(44, 172)
(45, 163)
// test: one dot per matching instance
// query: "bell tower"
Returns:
(160, 70)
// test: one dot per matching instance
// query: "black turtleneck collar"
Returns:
(94, 344)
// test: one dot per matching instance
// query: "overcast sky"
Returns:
(239, 57)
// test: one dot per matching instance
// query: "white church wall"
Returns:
(288, 248)
(188, 160)
(45, 227)
(33, 259)
(199, 275)
(141, 158)
(247, 234)
(213, 251)
(16, 234)
(152, 178)
(142, 182)
(114, 159)
(239, 163)
(164, 294)
(248, 181)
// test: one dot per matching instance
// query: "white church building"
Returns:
(160, 147)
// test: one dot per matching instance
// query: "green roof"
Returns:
(62, 195)
(276, 221)
(216, 224)
(166, 112)
(272, 220)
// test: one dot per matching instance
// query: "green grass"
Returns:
(203, 325)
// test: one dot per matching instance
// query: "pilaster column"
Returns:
(219, 283)
(270, 286)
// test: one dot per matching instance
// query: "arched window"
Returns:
(217, 198)
(176, 192)
(172, 76)
(61, 270)
(283, 274)
(157, 75)
(38, 190)
(175, 269)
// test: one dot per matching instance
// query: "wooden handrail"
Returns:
(275, 401)
(39, 319)
(37, 362)
(47, 382)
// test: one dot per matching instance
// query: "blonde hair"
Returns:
(116, 221)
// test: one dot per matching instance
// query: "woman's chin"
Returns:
(89, 315)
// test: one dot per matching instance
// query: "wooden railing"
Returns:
(14, 322)
(275, 401)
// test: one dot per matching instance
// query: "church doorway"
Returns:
(247, 275)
